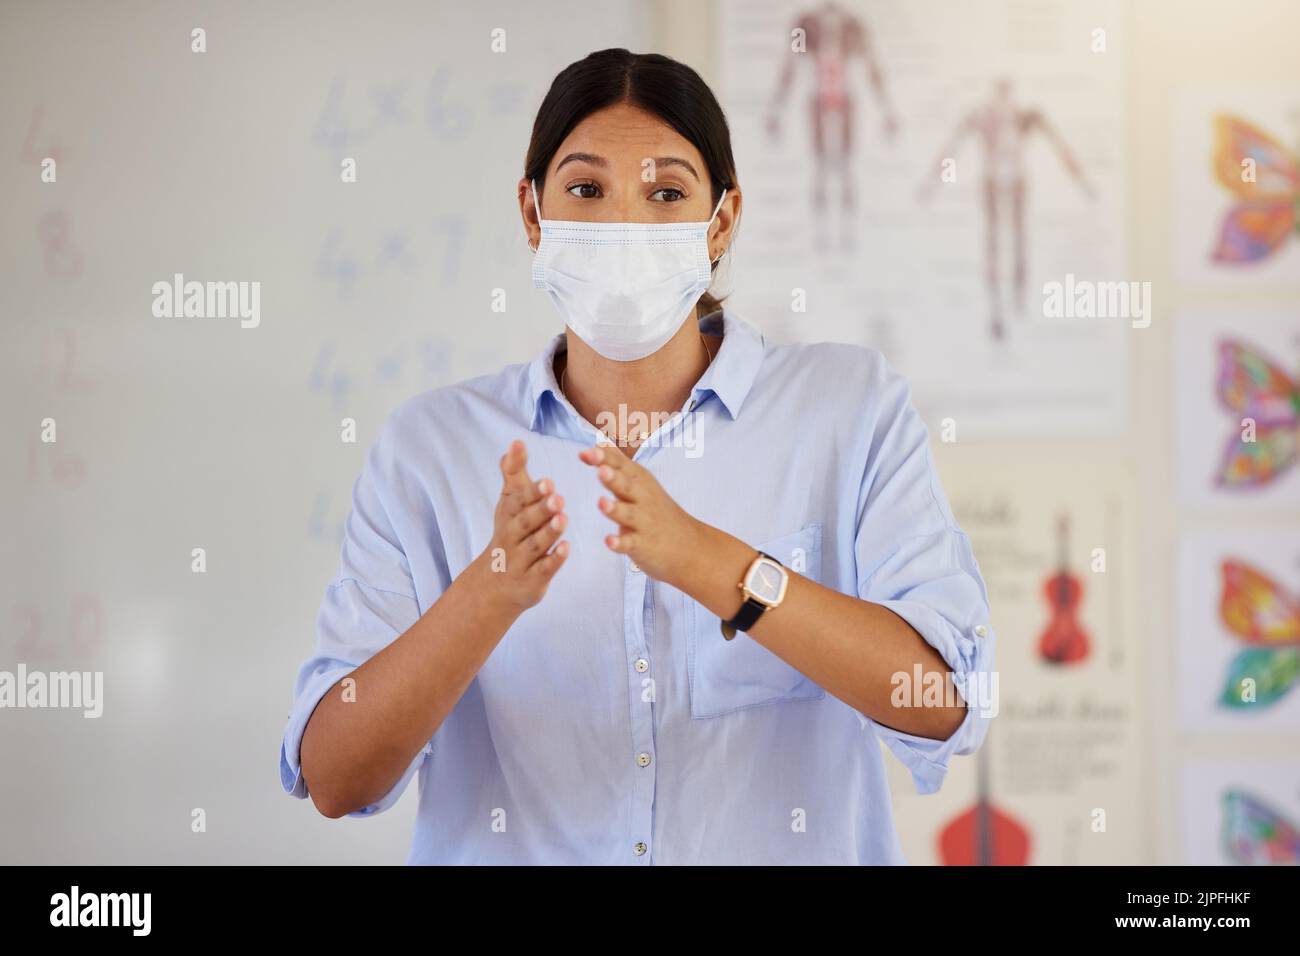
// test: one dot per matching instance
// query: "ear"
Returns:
(528, 212)
(724, 225)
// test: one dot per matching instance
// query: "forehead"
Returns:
(625, 135)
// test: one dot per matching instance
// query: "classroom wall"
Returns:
(179, 436)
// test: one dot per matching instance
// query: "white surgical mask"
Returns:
(624, 287)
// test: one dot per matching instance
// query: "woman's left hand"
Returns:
(653, 530)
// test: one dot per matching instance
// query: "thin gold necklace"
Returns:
(640, 436)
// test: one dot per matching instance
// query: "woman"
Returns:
(676, 641)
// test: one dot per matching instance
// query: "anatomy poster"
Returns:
(1238, 643)
(1236, 185)
(942, 182)
(1058, 780)
(1237, 402)
(1241, 813)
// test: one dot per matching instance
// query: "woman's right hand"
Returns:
(529, 519)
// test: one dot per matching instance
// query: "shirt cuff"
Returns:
(969, 656)
(291, 744)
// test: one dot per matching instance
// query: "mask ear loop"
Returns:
(713, 217)
(532, 183)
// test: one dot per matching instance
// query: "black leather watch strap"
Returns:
(748, 615)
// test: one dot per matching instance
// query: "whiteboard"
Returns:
(178, 433)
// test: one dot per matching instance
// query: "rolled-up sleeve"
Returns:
(913, 559)
(368, 605)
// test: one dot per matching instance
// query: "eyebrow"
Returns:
(677, 161)
(603, 163)
(591, 158)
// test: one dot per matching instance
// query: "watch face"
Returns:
(767, 581)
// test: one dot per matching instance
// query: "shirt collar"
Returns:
(730, 375)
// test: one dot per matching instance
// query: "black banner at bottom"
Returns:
(300, 904)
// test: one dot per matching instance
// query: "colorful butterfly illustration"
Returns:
(1266, 619)
(1267, 202)
(1254, 833)
(1256, 389)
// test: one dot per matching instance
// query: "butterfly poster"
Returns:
(1235, 201)
(1238, 630)
(1237, 406)
(1241, 812)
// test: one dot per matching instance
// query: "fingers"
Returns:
(599, 455)
(527, 525)
(535, 546)
(621, 543)
(517, 491)
(514, 472)
(529, 519)
(621, 512)
(615, 470)
(625, 515)
(546, 566)
(619, 482)
(514, 502)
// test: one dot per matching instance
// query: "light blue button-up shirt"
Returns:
(613, 724)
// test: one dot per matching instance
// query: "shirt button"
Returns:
(643, 760)
(639, 849)
(981, 631)
(632, 565)
(642, 665)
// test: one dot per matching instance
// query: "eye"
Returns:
(669, 194)
(587, 190)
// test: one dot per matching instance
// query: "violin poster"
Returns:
(1237, 401)
(1058, 780)
(919, 176)
(1239, 630)
(1241, 812)
(1236, 182)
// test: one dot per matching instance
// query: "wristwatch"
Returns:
(763, 586)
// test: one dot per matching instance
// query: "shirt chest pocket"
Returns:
(726, 676)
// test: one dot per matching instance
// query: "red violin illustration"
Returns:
(984, 835)
(1064, 640)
